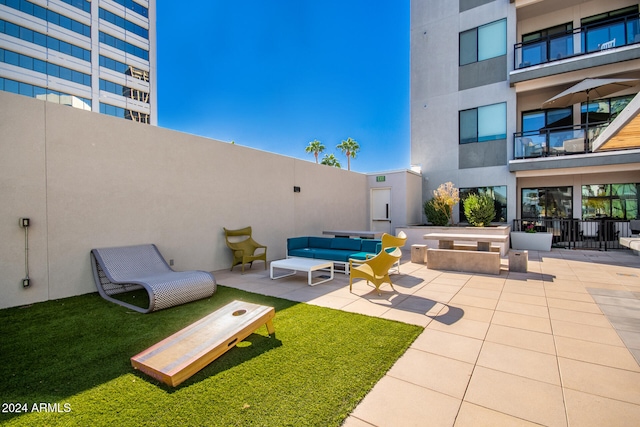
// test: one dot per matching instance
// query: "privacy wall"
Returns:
(87, 180)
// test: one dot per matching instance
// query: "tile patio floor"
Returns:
(557, 346)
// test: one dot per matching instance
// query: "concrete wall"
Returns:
(88, 180)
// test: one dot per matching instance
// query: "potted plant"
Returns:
(530, 239)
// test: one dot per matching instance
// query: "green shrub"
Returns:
(435, 214)
(479, 210)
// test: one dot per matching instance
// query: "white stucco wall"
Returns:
(88, 180)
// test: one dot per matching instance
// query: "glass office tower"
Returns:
(95, 55)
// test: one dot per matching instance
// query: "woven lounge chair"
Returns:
(244, 247)
(123, 269)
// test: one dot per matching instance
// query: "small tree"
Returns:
(445, 198)
(479, 210)
(330, 160)
(435, 215)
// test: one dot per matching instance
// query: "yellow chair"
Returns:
(244, 250)
(374, 270)
(390, 243)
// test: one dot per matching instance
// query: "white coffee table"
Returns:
(307, 265)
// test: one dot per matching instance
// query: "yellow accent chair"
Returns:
(244, 247)
(374, 270)
(390, 243)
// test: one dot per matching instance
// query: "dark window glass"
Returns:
(39, 66)
(497, 193)
(12, 58)
(26, 62)
(547, 202)
(616, 201)
(11, 86)
(468, 126)
(468, 47)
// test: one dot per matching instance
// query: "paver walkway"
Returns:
(557, 346)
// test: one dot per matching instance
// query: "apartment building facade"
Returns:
(481, 72)
(95, 55)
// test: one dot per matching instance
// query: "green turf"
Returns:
(75, 353)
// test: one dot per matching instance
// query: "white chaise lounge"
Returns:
(123, 269)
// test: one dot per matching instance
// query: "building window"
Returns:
(548, 44)
(44, 94)
(137, 8)
(485, 42)
(497, 193)
(616, 201)
(123, 23)
(44, 40)
(29, 63)
(122, 113)
(80, 4)
(487, 123)
(49, 16)
(604, 110)
(608, 27)
(125, 91)
(120, 67)
(123, 46)
(547, 203)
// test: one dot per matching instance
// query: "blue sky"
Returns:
(274, 75)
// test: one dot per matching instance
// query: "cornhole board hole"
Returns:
(178, 357)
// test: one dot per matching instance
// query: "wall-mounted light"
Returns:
(296, 189)
(24, 223)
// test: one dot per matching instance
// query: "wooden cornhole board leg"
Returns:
(178, 357)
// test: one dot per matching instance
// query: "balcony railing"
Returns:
(598, 233)
(559, 141)
(579, 41)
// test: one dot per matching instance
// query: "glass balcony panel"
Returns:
(530, 145)
(561, 47)
(633, 31)
(534, 54)
(558, 141)
(580, 41)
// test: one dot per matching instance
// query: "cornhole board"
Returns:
(176, 358)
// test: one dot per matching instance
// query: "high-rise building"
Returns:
(482, 72)
(95, 55)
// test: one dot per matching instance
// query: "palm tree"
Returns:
(316, 147)
(330, 160)
(349, 147)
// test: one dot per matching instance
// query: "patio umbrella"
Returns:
(588, 89)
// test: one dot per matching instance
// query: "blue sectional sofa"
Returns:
(336, 249)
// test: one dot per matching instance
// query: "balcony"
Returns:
(601, 36)
(560, 141)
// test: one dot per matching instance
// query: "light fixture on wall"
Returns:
(24, 223)
(296, 189)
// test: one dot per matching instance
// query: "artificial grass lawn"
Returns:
(76, 352)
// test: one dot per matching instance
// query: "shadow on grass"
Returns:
(252, 346)
(54, 350)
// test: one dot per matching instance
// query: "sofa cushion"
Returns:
(371, 245)
(332, 254)
(320, 242)
(302, 252)
(297, 243)
(360, 255)
(345, 244)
